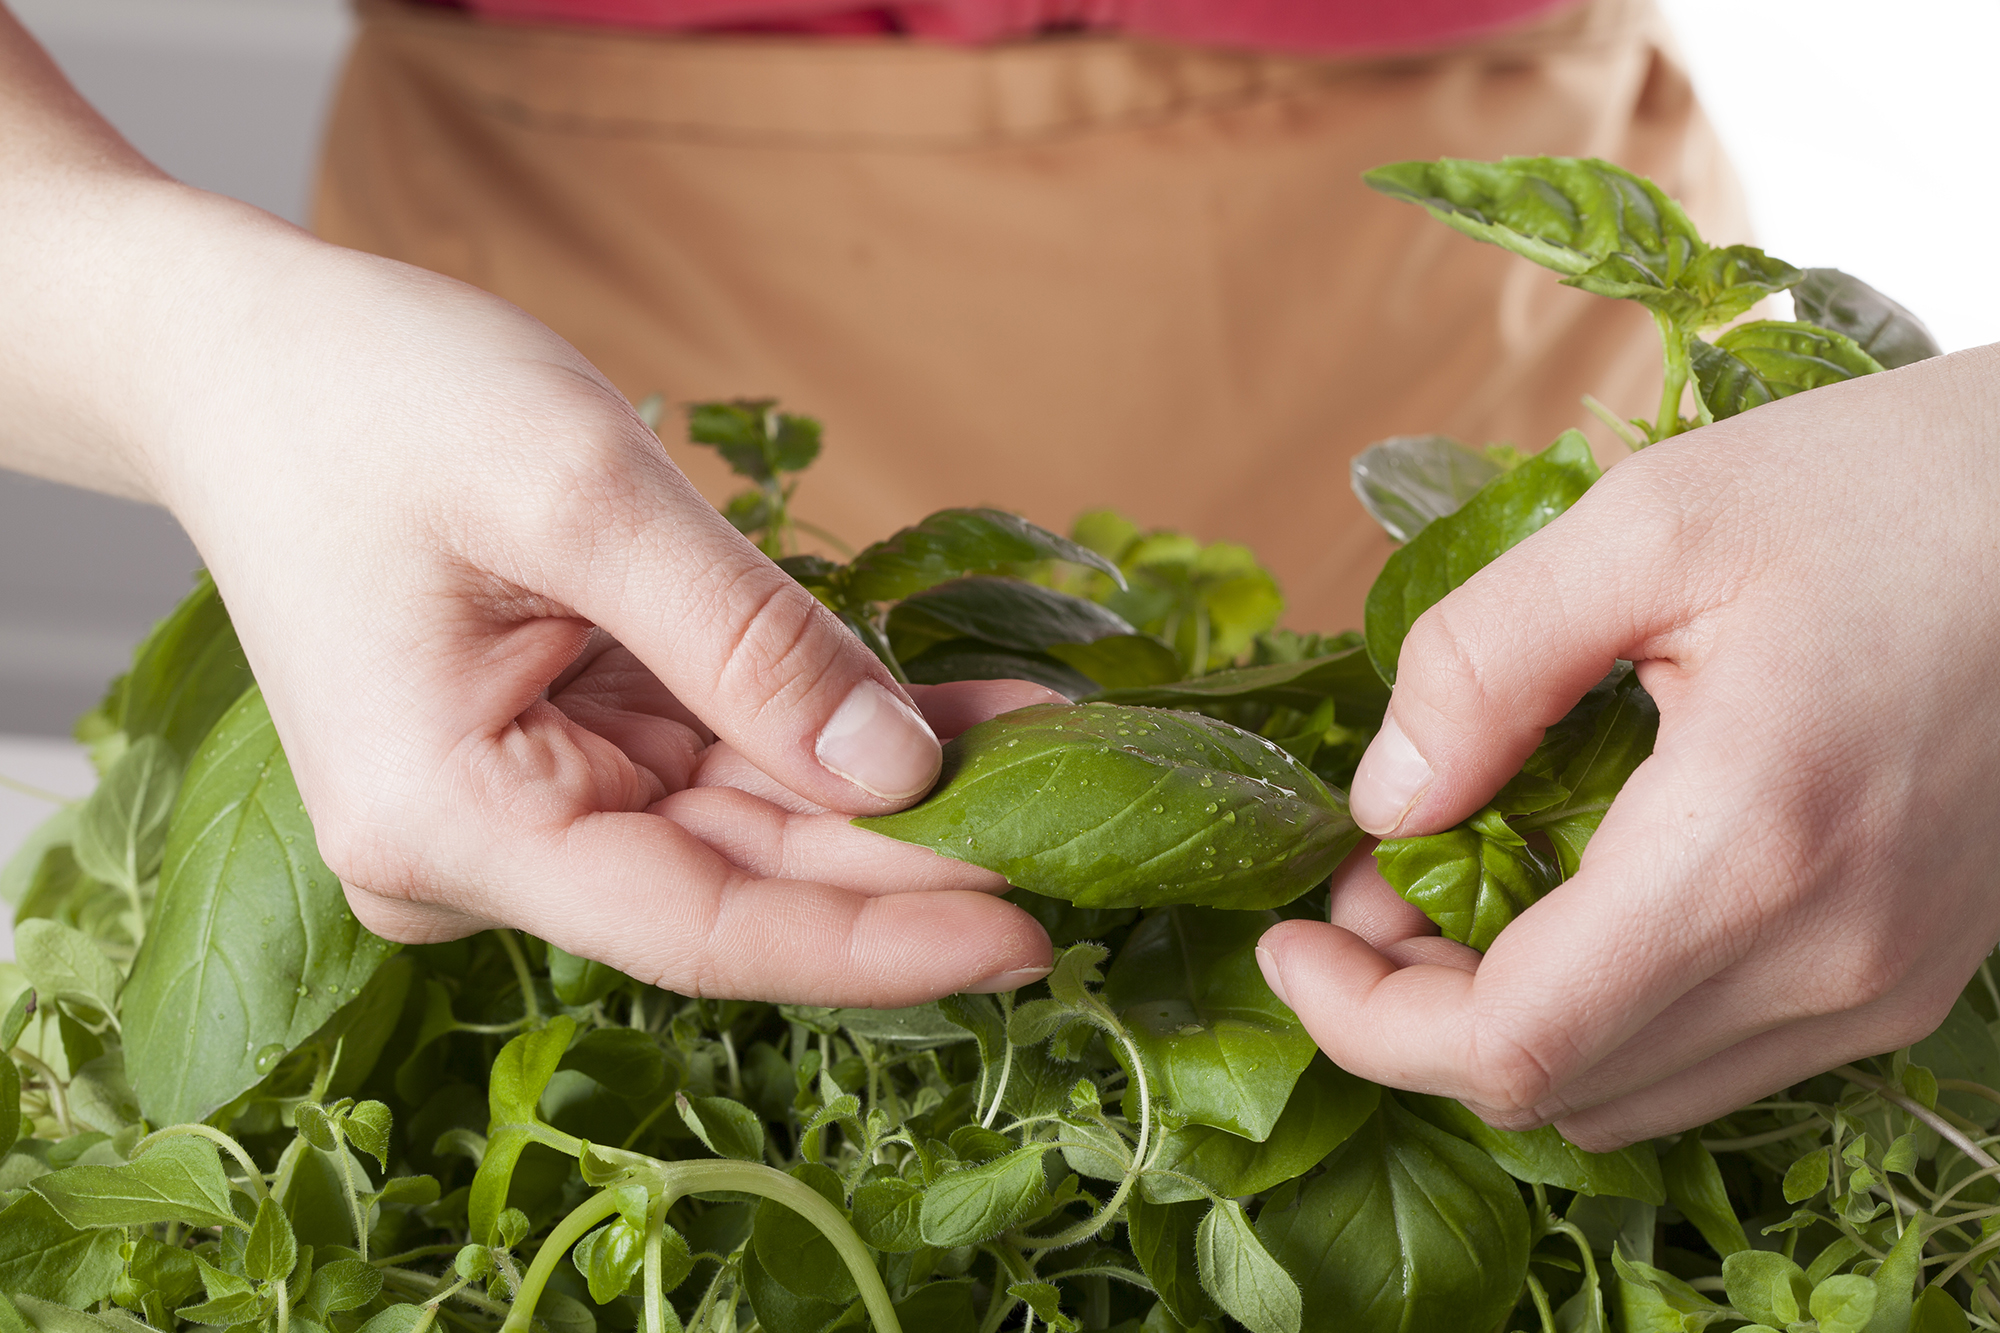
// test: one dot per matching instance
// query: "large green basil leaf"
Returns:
(1621, 737)
(185, 674)
(121, 831)
(42, 1255)
(1406, 481)
(251, 946)
(178, 1180)
(795, 1251)
(1652, 1301)
(1241, 1274)
(1755, 363)
(778, 1308)
(1110, 806)
(1358, 694)
(952, 543)
(1694, 1185)
(1121, 661)
(1162, 1239)
(66, 966)
(1963, 1048)
(1452, 549)
(1879, 326)
(969, 659)
(1409, 1230)
(521, 1074)
(1004, 612)
(1545, 1157)
(1327, 1105)
(1472, 880)
(1221, 1048)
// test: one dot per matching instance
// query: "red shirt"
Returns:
(1303, 27)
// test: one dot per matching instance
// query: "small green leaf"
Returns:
(1113, 806)
(271, 1251)
(977, 1203)
(238, 1307)
(186, 673)
(1694, 1185)
(316, 1126)
(727, 1128)
(1622, 731)
(67, 966)
(1650, 1301)
(580, 982)
(629, 1062)
(10, 1104)
(520, 1074)
(952, 543)
(1163, 1241)
(1879, 326)
(344, 1284)
(1327, 1104)
(1893, 1286)
(1544, 1156)
(1506, 511)
(1406, 481)
(1472, 880)
(367, 1128)
(1937, 1312)
(1224, 1050)
(179, 1179)
(778, 1309)
(1843, 1303)
(121, 831)
(755, 441)
(1004, 612)
(609, 1259)
(1807, 1176)
(1241, 1274)
(1046, 1302)
(887, 1214)
(1760, 362)
(796, 1252)
(17, 1016)
(1765, 1286)
(43, 1255)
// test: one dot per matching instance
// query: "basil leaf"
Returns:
(977, 1203)
(1544, 1156)
(1621, 737)
(726, 1128)
(1007, 613)
(1327, 1105)
(886, 1214)
(968, 659)
(1843, 1303)
(21, 870)
(1893, 1285)
(625, 1060)
(1117, 807)
(1766, 1287)
(271, 1250)
(66, 966)
(1937, 1312)
(44, 1256)
(939, 1307)
(1452, 549)
(1755, 363)
(919, 1027)
(252, 944)
(1879, 326)
(1241, 1274)
(1409, 1229)
(580, 982)
(1472, 880)
(609, 1258)
(1345, 677)
(1162, 1238)
(796, 1252)
(1694, 1185)
(344, 1284)
(955, 542)
(121, 831)
(1650, 1301)
(1121, 661)
(1210, 602)
(1406, 481)
(1963, 1048)
(520, 1074)
(48, 1317)
(186, 673)
(756, 442)
(179, 1180)
(777, 1308)
(1223, 1050)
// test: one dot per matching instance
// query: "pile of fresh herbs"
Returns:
(227, 1105)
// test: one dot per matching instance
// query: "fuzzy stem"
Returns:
(654, 1320)
(519, 962)
(253, 1177)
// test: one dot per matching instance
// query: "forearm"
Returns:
(96, 248)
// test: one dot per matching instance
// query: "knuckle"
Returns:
(778, 647)
(1511, 1077)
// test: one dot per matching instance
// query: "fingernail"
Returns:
(1388, 781)
(1019, 977)
(1268, 963)
(879, 743)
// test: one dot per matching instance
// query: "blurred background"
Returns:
(1859, 130)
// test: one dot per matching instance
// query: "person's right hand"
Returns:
(422, 508)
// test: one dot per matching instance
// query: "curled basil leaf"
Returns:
(1406, 481)
(952, 543)
(1879, 326)
(1756, 363)
(1472, 880)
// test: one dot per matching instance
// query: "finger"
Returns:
(1485, 671)
(1363, 902)
(961, 705)
(773, 843)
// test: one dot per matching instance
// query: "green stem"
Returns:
(1816, 1124)
(519, 961)
(568, 1232)
(253, 1177)
(29, 789)
(1619, 426)
(1000, 1092)
(58, 1099)
(353, 1197)
(647, 1123)
(655, 1295)
(815, 530)
(1104, 1216)
(1541, 1298)
(1674, 343)
(1911, 1106)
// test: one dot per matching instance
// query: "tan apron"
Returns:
(1048, 275)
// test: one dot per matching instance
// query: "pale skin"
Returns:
(1803, 872)
(526, 675)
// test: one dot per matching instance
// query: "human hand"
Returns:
(423, 510)
(1802, 873)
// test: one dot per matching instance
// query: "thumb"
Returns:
(1485, 671)
(752, 654)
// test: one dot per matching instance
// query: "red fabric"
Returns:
(1295, 26)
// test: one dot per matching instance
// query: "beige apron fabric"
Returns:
(1048, 275)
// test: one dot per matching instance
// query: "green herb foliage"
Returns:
(225, 1105)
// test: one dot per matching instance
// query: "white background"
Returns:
(1864, 133)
